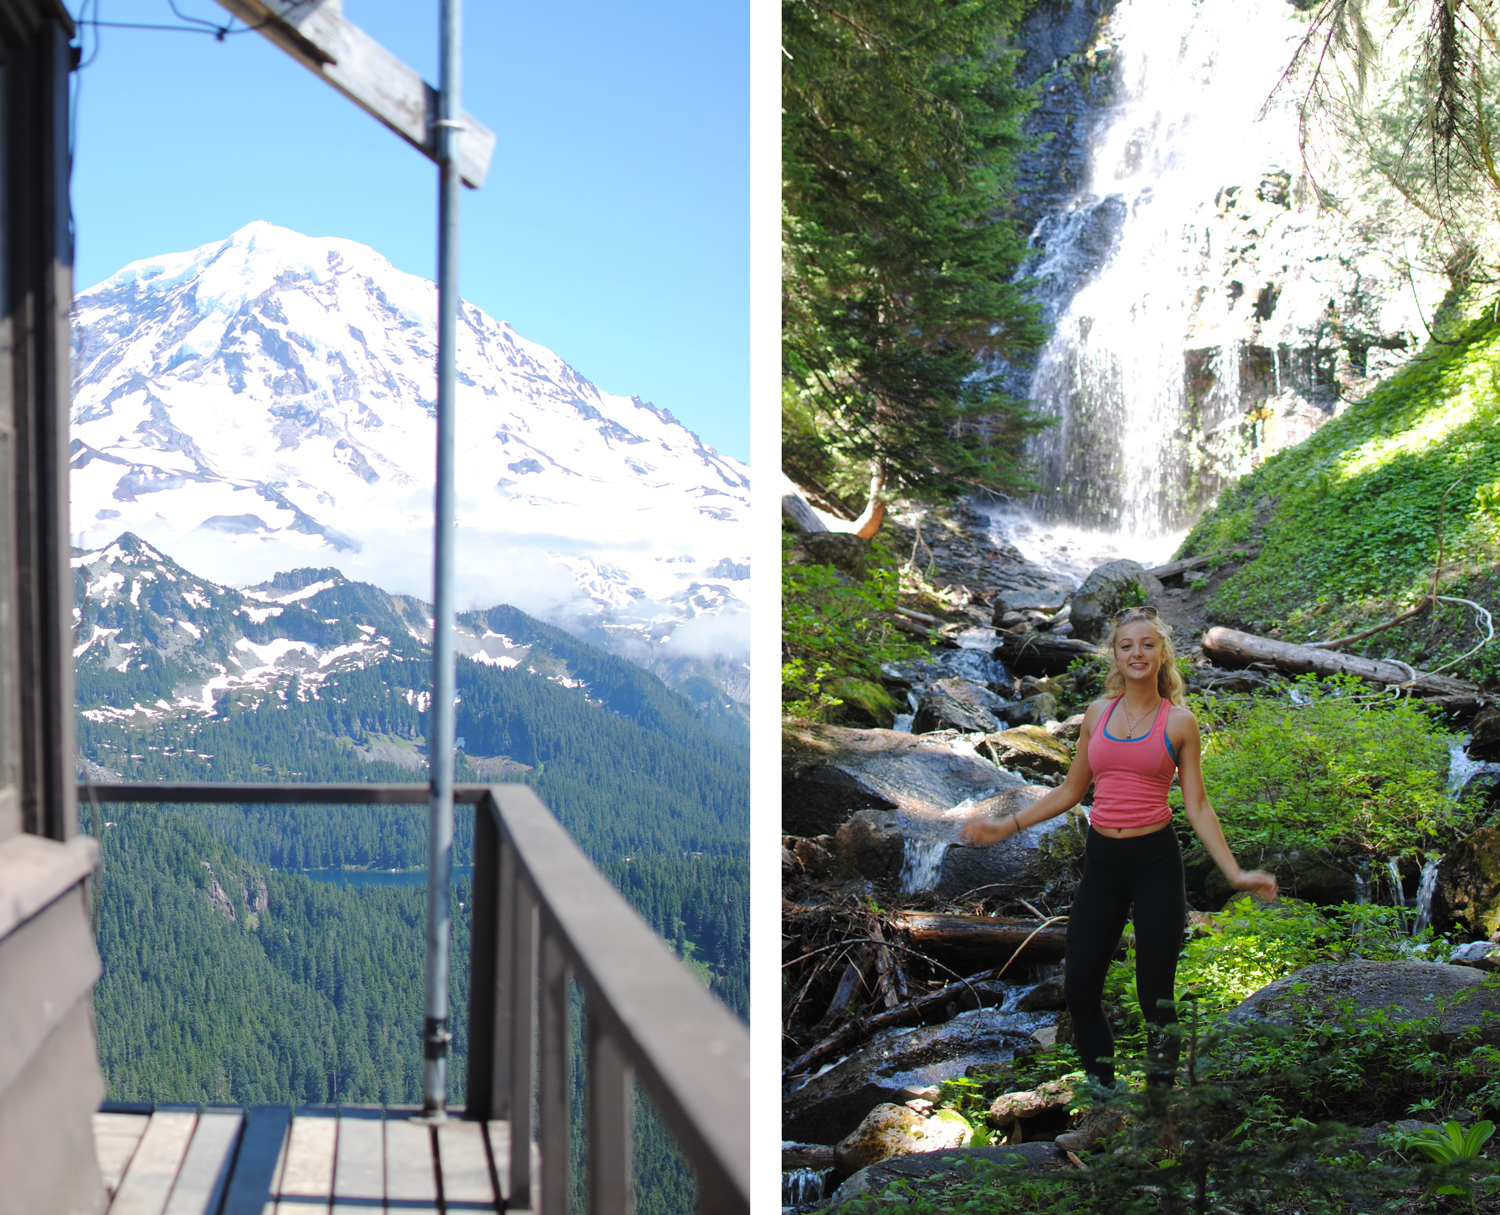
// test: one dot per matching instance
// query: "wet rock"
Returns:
(1459, 996)
(832, 1104)
(1040, 653)
(872, 844)
(813, 857)
(830, 772)
(895, 1130)
(1032, 711)
(806, 1156)
(1040, 1112)
(1467, 893)
(1019, 864)
(1031, 687)
(1030, 750)
(1008, 620)
(844, 551)
(920, 1165)
(1067, 730)
(1312, 877)
(1105, 591)
(956, 704)
(1046, 996)
(1049, 599)
(1484, 740)
(1481, 955)
(1483, 788)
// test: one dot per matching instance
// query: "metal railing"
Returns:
(540, 911)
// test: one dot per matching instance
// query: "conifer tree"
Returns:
(901, 122)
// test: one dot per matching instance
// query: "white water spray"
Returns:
(1425, 889)
(1193, 79)
(921, 863)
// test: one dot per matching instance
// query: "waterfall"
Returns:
(1424, 894)
(1393, 869)
(921, 862)
(1141, 357)
(802, 1187)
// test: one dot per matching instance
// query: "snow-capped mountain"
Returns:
(268, 402)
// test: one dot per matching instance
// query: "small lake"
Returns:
(379, 877)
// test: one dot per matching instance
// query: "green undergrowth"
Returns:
(1328, 768)
(1345, 524)
(1265, 1118)
(836, 633)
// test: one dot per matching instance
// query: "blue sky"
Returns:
(613, 228)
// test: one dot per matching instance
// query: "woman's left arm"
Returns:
(1182, 728)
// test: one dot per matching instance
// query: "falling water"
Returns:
(1424, 894)
(802, 1187)
(1115, 374)
(1393, 870)
(922, 860)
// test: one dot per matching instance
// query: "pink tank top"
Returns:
(1132, 775)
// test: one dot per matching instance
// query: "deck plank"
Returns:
(359, 1155)
(257, 1166)
(205, 1170)
(116, 1136)
(467, 1184)
(410, 1179)
(153, 1169)
(307, 1179)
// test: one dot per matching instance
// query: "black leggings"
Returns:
(1142, 872)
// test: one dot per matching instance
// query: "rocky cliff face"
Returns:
(1212, 302)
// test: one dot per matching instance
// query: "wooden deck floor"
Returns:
(266, 1161)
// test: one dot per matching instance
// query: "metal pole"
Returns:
(440, 714)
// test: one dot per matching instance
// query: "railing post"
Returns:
(484, 933)
(552, 1052)
(518, 999)
(610, 1122)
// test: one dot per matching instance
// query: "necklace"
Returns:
(1131, 727)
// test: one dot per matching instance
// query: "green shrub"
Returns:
(1342, 771)
(835, 636)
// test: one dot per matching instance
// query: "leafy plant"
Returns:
(1452, 1145)
(1339, 772)
(836, 633)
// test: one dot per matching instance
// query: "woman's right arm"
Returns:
(1049, 805)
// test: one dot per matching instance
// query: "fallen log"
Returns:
(1230, 647)
(1040, 653)
(978, 938)
(1175, 569)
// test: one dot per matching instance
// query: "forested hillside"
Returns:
(230, 976)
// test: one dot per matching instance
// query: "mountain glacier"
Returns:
(269, 400)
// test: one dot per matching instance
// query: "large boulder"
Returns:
(1031, 751)
(1467, 893)
(894, 1061)
(957, 704)
(1036, 599)
(1459, 996)
(1105, 591)
(1040, 1112)
(921, 1165)
(1017, 865)
(830, 772)
(1035, 710)
(1484, 735)
(914, 854)
(895, 1130)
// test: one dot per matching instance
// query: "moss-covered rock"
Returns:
(1467, 894)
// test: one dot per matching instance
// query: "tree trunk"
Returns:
(1040, 653)
(1233, 648)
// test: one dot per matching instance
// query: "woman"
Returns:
(1130, 745)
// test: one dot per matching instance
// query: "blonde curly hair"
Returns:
(1168, 681)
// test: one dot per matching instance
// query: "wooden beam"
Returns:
(315, 33)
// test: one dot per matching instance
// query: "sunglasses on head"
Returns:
(1135, 613)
